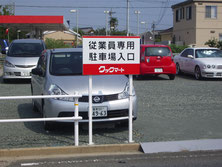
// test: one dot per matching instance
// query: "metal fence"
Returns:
(76, 117)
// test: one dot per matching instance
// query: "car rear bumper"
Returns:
(151, 70)
(115, 109)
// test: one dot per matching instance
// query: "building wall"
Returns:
(166, 37)
(208, 28)
(184, 30)
(199, 29)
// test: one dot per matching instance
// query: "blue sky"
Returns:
(91, 12)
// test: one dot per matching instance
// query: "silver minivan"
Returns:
(21, 58)
(59, 72)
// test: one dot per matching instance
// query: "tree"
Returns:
(100, 31)
(79, 31)
(211, 42)
(113, 23)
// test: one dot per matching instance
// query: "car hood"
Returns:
(101, 84)
(211, 61)
(23, 60)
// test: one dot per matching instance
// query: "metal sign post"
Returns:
(111, 55)
(130, 109)
(90, 110)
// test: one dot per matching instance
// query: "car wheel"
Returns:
(5, 80)
(48, 125)
(34, 107)
(171, 76)
(197, 73)
(178, 71)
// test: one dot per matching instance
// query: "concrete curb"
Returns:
(70, 150)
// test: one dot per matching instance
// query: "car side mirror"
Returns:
(37, 71)
(190, 56)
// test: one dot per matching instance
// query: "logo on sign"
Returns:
(103, 69)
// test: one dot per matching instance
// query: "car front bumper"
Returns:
(211, 73)
(16, 73)
(115, 109)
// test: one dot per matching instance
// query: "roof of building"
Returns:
(68, 32)
(167, 31)
(192, 1)
(42, 23)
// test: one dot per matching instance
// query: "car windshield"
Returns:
(66, 63)
(157, 51)
(206, 53)
(25, 50)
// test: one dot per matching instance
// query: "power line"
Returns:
(87, 7)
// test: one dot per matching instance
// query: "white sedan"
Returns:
(201, 62)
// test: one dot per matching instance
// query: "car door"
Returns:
(158, 56)
(39, 80)
(182, 59)
(189, 61)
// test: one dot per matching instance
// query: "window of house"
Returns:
(177, 16)
(220, 37)
(211, 12)
(189, 13)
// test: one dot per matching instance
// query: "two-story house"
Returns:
(197, 21)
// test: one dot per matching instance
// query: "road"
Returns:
(183, 159)
(183, 109)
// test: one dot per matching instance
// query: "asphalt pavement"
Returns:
(182, 159)
(183, 109)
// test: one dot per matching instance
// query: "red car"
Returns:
(156, 60)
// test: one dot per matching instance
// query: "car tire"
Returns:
(171, 76)
(5, 80)
(178, 71)
(197, 73)
(34, 107)
(48, 125)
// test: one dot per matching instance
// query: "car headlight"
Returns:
(125, 93)
(55, 90)
(209, 66)
(8, 64)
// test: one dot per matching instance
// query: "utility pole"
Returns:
(127, 19)
(137, 12)
(153, 27)
(106, 13)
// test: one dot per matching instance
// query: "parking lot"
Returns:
(168, 110)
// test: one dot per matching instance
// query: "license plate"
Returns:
(158, 70)
(25, 74)
(99, 112)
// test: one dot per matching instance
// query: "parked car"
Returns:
(4, 45)
(59, 72)
(156, 60)
(22, 57)
(200, 62)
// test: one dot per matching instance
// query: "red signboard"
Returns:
(110, 55)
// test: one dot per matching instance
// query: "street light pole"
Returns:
(146, 25)
(127, 22)
(106, 13)
(153, 26)
(137, 12)
(77, 28)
